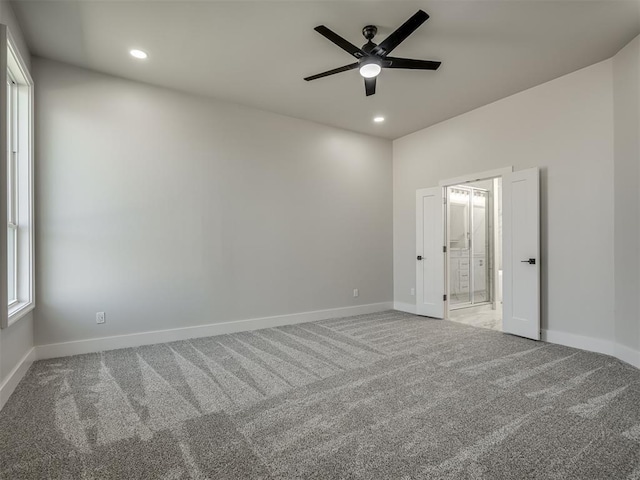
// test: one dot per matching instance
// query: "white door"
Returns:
(429, 252)
(521, 253)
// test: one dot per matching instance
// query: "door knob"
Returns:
(531, 261)
(419, 257)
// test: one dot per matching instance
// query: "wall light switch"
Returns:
(355, 292)
(413, 291)
(100, 317)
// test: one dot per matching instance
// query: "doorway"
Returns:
(511, 245)
(474, 256)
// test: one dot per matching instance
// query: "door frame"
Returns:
(461, 180)
(476, 177)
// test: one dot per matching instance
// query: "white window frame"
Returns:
(13, 67)
(12, 200)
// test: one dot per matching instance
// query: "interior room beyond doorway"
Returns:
(474, 253)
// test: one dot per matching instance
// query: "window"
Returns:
(12, 221)
(18, 157)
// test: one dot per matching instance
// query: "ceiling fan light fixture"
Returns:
(139, 54)
(370, 69)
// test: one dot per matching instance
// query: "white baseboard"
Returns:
(622, 352)
(13, 379)
(578, 341)
(405, 307)
(628, 354)
(92, 345)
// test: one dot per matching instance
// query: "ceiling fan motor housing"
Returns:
(369, 31)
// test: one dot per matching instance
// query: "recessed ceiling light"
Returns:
(378, 119)
(139, 54)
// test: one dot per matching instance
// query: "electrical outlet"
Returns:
(355, 292)
(100, 317)
(413, 291)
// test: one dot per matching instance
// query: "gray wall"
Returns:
(565, 127)
(626, 75)
(8, 17)
(17, 340)
(167, 210)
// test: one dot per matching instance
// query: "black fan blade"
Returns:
(332, 72)
(411, 64)
(370, 86)
(397, 37)
(339, 41)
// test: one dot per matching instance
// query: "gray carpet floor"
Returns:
(381, 396)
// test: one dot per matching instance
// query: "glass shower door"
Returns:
(480, 247)
(458, 202)
(469, 246)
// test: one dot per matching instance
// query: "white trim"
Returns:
(621, 352)
(92, 345)
(18, 310)
(476, 177)
(20, 63)
(577, 341)
(627, 354)
(4, 297)
(405, 307)
(13, 379)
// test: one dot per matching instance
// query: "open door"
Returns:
(429, 252)
(521, 253)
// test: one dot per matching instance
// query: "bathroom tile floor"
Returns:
(483, 316)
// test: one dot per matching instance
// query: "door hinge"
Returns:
(444, 298)
(444, 200)
(444, 249)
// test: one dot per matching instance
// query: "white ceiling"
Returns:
(257, 53)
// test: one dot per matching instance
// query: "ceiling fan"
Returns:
(373, 58)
